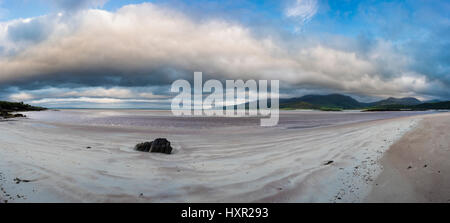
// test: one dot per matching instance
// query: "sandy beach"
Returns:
(43, 161)
(416, 168)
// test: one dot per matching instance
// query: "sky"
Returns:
(126, 54)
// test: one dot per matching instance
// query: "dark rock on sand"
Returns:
(143, 147)
(18, 180)
(328, 162)
(7, 115)
(160, 145)
(4, 114)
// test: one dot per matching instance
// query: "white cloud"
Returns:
(21, 97)
(112, 95)
(92, 100)
(302, 11)
(150, 95)
(100, 92)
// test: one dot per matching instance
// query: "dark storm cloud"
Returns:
(103, 77)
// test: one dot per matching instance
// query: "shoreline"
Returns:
(416, 168)
(245, 167)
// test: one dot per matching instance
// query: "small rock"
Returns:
(18, 180)
(328, 162)
(19, 116)
(424, 166)
(409, 167)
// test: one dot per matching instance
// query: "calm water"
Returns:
(165, 119)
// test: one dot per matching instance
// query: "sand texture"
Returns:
(60, 162)
(417, 167)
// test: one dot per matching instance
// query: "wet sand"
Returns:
(63, 162)
(417, 167)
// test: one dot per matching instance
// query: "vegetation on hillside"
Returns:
(7, 107)
(321, 101)
(420, 107)
(336, 102)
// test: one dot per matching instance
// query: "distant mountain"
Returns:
(341, 101)
(335, 102)
(321, 101)
(397, 101)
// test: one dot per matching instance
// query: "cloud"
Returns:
(74, 5)
(93, 97)
(99, 53)
(91, 100)
(99, 92)
(115, 92)
(34, 30)
(302, 11)
(22, 96)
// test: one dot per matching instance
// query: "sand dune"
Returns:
(232, 164)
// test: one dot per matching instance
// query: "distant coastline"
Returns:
(340, 102)
(7, 108)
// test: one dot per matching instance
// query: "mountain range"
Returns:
(341, 101)
(335, 102)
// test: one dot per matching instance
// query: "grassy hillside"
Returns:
(397, 101)
(7, 107)
(331, 101)
(420, 107)
(17, 106)
(338, 102)
(437, 105)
